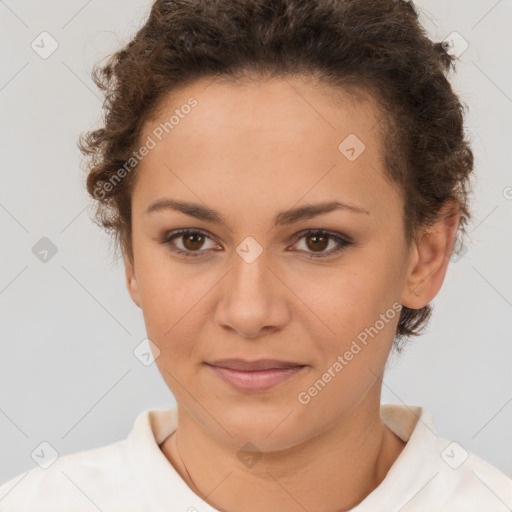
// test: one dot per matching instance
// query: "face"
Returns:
(320, 289)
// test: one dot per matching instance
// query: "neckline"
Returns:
(163, 484)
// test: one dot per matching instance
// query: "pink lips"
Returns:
(256, 375)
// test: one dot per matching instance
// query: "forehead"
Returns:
(278, 104)
(259, 137)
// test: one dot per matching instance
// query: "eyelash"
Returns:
(345, 242)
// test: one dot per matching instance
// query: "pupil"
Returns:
(196, 239)
(323, 243)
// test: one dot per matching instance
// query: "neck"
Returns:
(333, 471)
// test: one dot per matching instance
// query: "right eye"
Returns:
(191, 241)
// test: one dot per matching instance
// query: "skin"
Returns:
(250, 151)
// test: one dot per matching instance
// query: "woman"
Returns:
(285, 181)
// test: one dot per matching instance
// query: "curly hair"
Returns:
(377, 47)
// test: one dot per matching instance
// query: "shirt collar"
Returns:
(413, 467)
(164, 485)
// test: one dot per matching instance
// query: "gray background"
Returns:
(68, 326)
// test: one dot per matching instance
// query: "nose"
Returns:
(253, 300)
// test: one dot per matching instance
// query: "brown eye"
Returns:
(193, 241)
(317, 242)
(188, 242)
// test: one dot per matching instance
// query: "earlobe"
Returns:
(429, 260)
(131, 280)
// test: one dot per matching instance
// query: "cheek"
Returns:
(163, 300)
(164, 289)
(169, 312)
(174, 310)
(340, 300)
(360, 311)
(357, 309)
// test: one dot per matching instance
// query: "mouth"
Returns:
(260, 364)
(255, 376)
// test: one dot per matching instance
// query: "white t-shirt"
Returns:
(430, 475)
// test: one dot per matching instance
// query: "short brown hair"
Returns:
(373, 46)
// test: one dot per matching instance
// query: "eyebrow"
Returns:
(283, 218)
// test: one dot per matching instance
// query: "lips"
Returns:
(250, 366)
(255, 376)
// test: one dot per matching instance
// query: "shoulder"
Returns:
(464, 482)
(476, 479)
(85, 479)
(435, 474)
(120, 476)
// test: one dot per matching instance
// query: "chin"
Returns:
(268, 427)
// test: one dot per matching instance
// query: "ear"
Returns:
(430, 257)
(131, 279)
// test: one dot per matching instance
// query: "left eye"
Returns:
(319, 240)
(192, 241)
